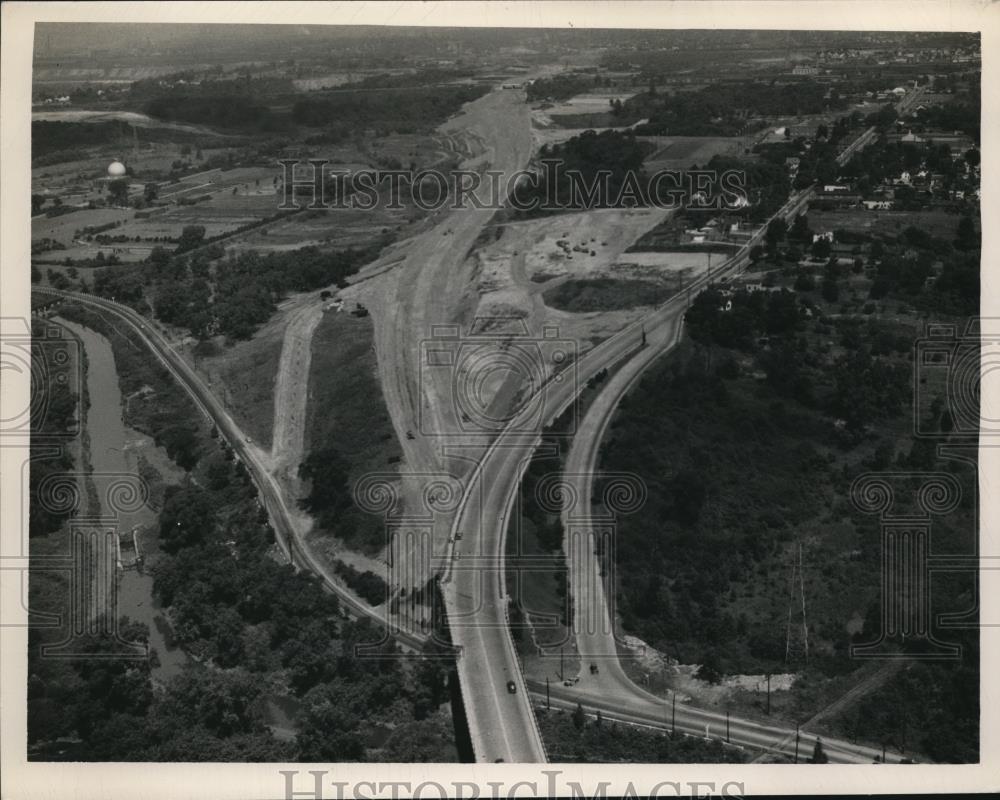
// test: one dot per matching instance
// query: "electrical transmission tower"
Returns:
(797, 631)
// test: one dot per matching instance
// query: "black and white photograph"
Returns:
(406, 392)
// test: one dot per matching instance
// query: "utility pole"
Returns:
(548, 700)
(769, 694)
(727, 724)
(673, 714)
(796, 743)
(562, 677)
(797, 632)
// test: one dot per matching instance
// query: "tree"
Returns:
(688, 489)
(118, 190)
(151, 192)
(972, 157)
(804, 282)
(822, 132)
(191, 236)
(966, 238)
(710, 670)
(159, 256)
(818, 756)
(821, 248)
(776, 230)
(800, 231)
(579, 717)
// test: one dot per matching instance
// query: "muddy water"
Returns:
(111, 444)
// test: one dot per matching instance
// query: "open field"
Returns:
(243, 375)
(605, 232)
(606, 294)
(337, 228)
(885, 223)
(589, 102)
(346, 412)
(131, 117)
(63, 227)
(681, 152)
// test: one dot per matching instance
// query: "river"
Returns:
(113, 448)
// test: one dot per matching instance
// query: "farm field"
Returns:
(335, 227)
(590, 102)
(885, 223)
(681, 152)
(63, 227)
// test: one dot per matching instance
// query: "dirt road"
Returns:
(429, 287)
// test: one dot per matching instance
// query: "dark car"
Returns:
(512, 687)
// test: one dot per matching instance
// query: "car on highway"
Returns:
(512, 687)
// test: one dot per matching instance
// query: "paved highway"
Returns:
(592, 617)
(656, 712)
(288, 538)
(502, 723)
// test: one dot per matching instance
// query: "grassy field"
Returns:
(346, 410)
(63, 227)
(540, 592)
(596, 741)
(243, 375)
(339, 228)
(681, 152)
(605, 294)
(885, 223)
(599, 119)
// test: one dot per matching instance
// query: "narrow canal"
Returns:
(112, 451)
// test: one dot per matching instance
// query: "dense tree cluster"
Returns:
(53, 142)
(576, 738)
(196, 288)
(54, 416)
(256, 629)
(724, 109)
(614, 155)
(408, 110)
(931, 707)
(562, 86)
